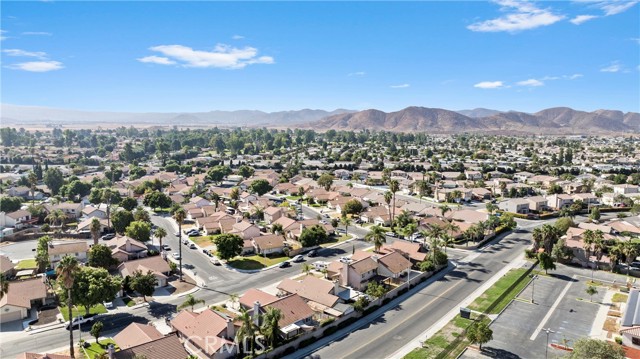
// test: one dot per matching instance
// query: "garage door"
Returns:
(10, 316)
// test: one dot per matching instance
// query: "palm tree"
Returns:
(615, 253)
(444, 209)
(4, 286)
(66, 271)
(235, 193)
(160, 234)
(630, 251)
(537, 238)
(451, 228)
(491, 208)
(271, 327)
(258, 212)
(588, 238)
(377, 236)
(410, 229)
(306, 268)
(456, 194)
(550, 235)
(179, 215)
(216, 200)
(247, 329)
(345, 222)
(598, 246)
(394, 186)
(191, 301)
(95, 229)
(233, 298)
(55, 216)
(276, 228)
(387, 199)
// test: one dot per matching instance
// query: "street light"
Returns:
(533, 285)
(546, 349)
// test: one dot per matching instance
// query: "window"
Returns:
(635, 340)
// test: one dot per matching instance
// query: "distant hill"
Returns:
(24, 115)
(560, 120)
(478, 112)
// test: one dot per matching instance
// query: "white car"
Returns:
(298, 258)
(215, 261)
(175, 255)
(108, 305)
(79, 321)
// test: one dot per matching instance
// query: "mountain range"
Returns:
(559, 120)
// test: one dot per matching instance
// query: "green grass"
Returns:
(335, 239)
(492, 294)
(128, 301)
(620, 298)
(79, 310)
(255, 262)
(202, 241)
(293, 198)
(96, 349)
(27, 264)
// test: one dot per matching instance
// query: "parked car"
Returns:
(175, 255)
(194, 234)
(108, 236)
(192, 246)
(312, 254)
(166, 247)
(345, 259)
(391, 234)
(215, 261)
(206, 251)
(80, 320)
(177, 234)
(341, 230)
(109, 305)
(284, 264)
(298, 258)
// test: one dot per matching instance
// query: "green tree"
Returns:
(157, 199)
(591, 290)
(596, 349)
(10, 204)
(325, 181)
(246, 171)
(375, 290)
(546, 262)
(426, 266)
(228, 245)
(96, 227)
(67, 270)
(595, 214)
(306, 268)
(377, 236)
(191, 301)
(54, 179)
(361, 304)
(129, 203)
(100, 256)
(247, 330)
(140, 231)
(260, 186)
(4, 286)
(270, 326)
(276, 228)
(352, 207)
(96, 330)
(346, 222)
(140, 215)
(160, 234)
(218, 173)
(120, 220)
(394, 186)
(563, 224)
(313, 236)
(479, 333)
(42, 253)
(144, 284)
(93, 286)
(179, 216)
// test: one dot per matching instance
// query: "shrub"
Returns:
(529, 253)
(306, 342)
(326, 322)
(427, 266)
(441, 258)
(330, 331)
(619, 340)
(289, 350)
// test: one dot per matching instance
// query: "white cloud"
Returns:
(563, 77)
(237, 37)
(574, 76)
(2, 37)
(489, 85)
(531, 83)
(580, 19)
(520, 15)
(37, 66)
(402, 86)
(37, 33)
(616, 7)
(157, 60)
(222, 56)
(359, 73)
(613, 67)
(22, 53)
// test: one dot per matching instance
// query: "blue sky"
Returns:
(201, 56)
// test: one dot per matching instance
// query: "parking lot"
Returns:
(560, 305)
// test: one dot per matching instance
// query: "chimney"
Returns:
(344, 274)
(256, 313)
(111, 351)
(336, 287)
(231, 330)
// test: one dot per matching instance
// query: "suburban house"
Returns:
(630, 323)
(358, 273)
(199, 201)
(269, 244)
(319, 293)
(22, 297)
(18, 219)
(543, 181)
(297, 316)
(29, 355)
(124, 248)
(6, 267)
(245, 230)
(271, 214)
(99, 212)
(57, 250)
(393, 265)
(537, 203)
(135, 334)
(625, 189)
(208, 334)
(158, 266)
(559, 201)
(19, 191)
(168, 347)
(516, 205)
(256, 295)
(71, 210)
(410, 250)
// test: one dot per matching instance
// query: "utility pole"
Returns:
(546, 349)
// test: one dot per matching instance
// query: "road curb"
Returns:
(45, 329)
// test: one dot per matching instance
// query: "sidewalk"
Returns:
(417, 342)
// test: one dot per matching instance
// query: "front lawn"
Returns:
(79, 310)
(498, 292)
(128, 301)
(202, 241)
(27, 264)
(335, 239)
(96, 349)
(255, 262)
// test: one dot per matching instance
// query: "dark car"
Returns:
(206, 251)
(312, 254)
(284, 265)
(109, 236)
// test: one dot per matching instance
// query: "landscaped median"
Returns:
(451, 340)
(80, 310)
(255, 262)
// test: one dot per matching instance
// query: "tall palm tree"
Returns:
(4, 286)
(377, 236)
(247, 330)
(615, 253)
(410, 229)
(191, 301)
(95, 230)
(233, 298)
(56, 216)
(550, 235)
(435, 233)
(444, 209)
(179, 215)
(394, 186)
(630, 251)
(345, 221)
(160, 234)
(271, 327)
(387, 199)
(588, 239)
(451, 227)
(537, 238)
(66, 271)
(216, 200)
(235, 193)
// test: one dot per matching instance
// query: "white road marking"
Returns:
(551, 310)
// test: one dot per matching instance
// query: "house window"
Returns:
(635, 340)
